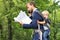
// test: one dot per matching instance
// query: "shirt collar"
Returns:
(34, 9)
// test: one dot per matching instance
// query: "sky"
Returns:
(57, 1)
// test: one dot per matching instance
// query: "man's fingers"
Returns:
(21, 23)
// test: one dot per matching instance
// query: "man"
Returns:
(34, 16)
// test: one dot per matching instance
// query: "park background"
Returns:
(10, 30)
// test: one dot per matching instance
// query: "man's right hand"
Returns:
(30, 14)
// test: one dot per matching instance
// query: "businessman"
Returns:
(31, 8)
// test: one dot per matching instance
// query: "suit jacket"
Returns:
(33, 25)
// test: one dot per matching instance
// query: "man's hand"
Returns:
(30, 14)
(21, 22)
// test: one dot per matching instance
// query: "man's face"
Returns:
(29, 8)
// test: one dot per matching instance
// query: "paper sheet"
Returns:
(23, 18)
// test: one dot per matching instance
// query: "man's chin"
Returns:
(30, 11)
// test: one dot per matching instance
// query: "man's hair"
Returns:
(32, 3)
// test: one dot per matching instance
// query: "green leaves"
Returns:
(11, 8)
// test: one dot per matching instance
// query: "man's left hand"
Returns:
(21, 22)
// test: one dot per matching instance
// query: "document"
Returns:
(23, 18)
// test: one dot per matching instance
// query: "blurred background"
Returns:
(10, 30)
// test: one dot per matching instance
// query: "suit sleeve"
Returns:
(38, 16)
(32, 25)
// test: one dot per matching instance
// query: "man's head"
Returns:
(45, 14)
(30, 6)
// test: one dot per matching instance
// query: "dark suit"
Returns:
(33, 25)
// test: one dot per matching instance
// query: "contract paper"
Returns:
(22, 17)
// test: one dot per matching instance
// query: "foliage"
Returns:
(9, 30)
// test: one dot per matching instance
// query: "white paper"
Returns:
(23, 18)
